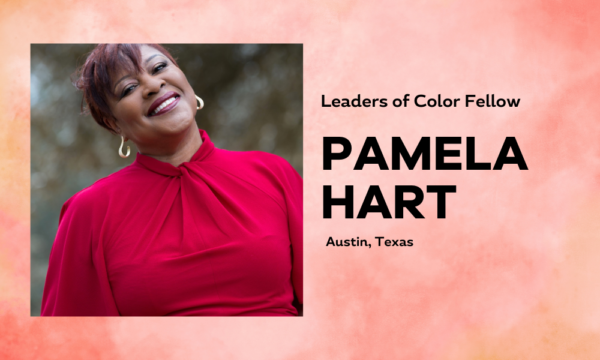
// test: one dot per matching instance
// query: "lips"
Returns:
(164, 103)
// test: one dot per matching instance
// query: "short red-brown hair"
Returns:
(93, 78)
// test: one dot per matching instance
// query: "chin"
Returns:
(177, 125)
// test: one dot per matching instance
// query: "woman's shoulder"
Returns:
(264, 170)
(255, 159)
(101, 191)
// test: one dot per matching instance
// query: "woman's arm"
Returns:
(293, 186)
(76, 282)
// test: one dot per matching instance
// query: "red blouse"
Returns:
(219, 235)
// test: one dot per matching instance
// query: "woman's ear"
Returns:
(112, 124)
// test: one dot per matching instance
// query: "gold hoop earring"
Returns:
(200, 101)
(121, 148)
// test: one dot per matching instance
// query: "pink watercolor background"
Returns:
(512, 273)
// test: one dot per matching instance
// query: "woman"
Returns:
(187, 229)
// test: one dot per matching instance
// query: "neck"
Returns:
(185, 148)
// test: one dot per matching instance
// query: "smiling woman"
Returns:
(144, 97)
(187, 228)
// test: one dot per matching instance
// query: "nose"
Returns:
(151, 85)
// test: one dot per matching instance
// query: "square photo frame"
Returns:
(85, 207)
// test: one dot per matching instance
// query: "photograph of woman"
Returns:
(188, 228)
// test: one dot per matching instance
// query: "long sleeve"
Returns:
(292, 184)
(76, 283)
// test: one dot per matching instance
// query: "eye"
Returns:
(159, 67)
(127, 90)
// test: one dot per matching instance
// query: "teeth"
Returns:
(162, 106)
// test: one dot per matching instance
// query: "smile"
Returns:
(164, 104)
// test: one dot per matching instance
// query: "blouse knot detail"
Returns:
(219, 235)
(167, 169)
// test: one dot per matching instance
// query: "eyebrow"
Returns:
(150, 58)
(126, 76)
(121, 79)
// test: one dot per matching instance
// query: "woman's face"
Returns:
(154, 105)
